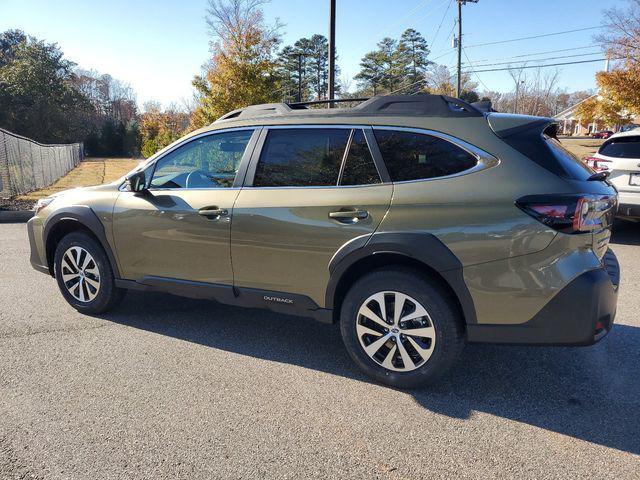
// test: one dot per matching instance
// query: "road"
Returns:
(165, 387)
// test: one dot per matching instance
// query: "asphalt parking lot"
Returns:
(165, 387)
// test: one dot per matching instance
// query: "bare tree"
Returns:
(231, 22)
(622, 35)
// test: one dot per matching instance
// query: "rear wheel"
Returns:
(84, 274)
(401, 328)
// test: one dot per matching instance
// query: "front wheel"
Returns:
(84, 274)
(401, 328)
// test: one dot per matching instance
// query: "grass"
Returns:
(91, 171)
(582, 147)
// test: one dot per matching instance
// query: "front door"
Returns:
(311, 191)
(180, 229)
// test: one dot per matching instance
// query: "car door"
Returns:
(180, 228)
(309, 191)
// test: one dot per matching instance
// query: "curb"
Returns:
(15, 216)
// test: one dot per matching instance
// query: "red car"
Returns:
(602, 134)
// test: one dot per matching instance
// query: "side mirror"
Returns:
(137, 182)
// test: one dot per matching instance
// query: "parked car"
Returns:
(619, 156)
(419, 223)
(602, 134)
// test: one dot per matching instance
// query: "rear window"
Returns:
(575, 168)
(416, 156)
(625, 147)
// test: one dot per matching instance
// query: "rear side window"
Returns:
(359, 168)
(416, 156)
(625, 147)
(575, 168)
(301, 157)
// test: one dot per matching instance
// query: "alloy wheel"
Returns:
(80, 274)
(395, 331)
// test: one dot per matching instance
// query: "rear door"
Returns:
(309, 190)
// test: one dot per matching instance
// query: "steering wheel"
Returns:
(198, 178)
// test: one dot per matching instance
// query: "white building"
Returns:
(570, 125)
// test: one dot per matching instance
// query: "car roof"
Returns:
(386, 105)
(629, 133)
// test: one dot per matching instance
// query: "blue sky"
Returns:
(158, 45)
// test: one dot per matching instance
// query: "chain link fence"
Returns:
(26, 165)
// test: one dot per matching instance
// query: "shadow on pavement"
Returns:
(625, 233)
(591, 393)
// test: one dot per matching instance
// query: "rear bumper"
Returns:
(628, 210)
(582, 313)
(628, 204)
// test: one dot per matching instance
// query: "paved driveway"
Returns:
(165, 387)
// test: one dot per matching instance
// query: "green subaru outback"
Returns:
(417, 222)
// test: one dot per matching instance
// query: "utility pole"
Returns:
(460, 3)
(300, 77)
(332, 50)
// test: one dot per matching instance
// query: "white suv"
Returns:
(620, 156)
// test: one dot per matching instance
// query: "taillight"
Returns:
(571, 213)
(598, 164)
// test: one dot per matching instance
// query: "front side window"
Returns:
(301, 157)
(416, 156)
(211, 161)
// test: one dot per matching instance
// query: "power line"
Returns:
(430, 12)
(473, 71)
(537, 53)
(535, 36)
(538, 59)
(441, 22)
(407, 86)
(448, 52)
(543, 66)
(414, 10)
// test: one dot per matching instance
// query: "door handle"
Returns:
(352, 215)
(213, 212)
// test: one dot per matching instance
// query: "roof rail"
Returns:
(420, 105)
(330, 101)
(257, 110)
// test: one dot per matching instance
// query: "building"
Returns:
(570, 125)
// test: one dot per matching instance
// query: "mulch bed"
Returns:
(12, 204)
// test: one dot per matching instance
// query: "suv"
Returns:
(417, 222)
(619, 157)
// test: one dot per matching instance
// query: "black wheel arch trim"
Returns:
(86, 217)
(425, 248)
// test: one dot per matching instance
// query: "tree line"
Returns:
(46, 97)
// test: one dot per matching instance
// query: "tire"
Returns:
(424, 359)
(97, 270)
